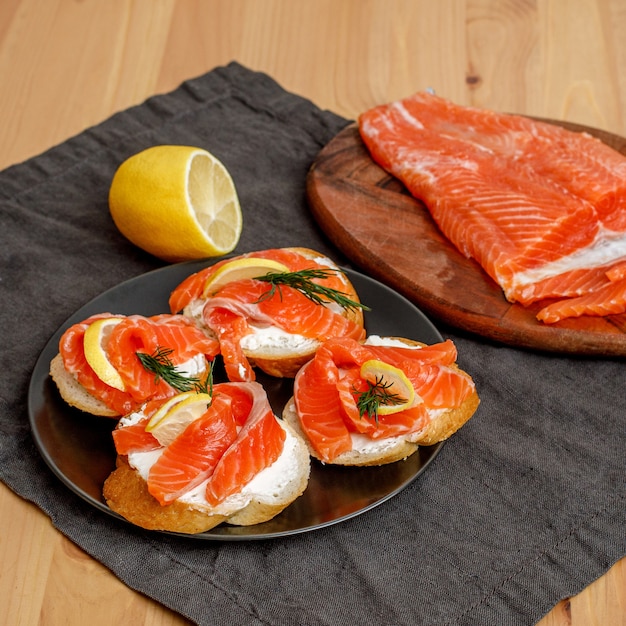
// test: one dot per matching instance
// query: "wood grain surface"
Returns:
(68, 64)
(373, 219)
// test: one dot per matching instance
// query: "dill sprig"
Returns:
(377, 394)
(160, 364)
(303, 281)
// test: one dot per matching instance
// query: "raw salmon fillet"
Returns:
(540, 208)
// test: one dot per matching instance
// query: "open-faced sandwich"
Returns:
(202, 458)
(375, 403)
(110, 365)
(271, 309)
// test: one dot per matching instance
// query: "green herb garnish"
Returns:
(303, 281)
(377, 394)
(160, 364)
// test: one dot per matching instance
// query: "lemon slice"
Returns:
(394, 381)
(177, 203)
(94, 346)
(176, 414)
(239, 269)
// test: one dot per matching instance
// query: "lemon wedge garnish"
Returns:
(177, 203)
(240, 269)
(394, 385)
(94, 346)
(176, 414)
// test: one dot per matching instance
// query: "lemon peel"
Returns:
(94, 347)
(395, 383)
(176, 202)
(240, 269)
(176, 414)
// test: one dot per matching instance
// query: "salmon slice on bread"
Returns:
(418, 396)
(273, 309)
(109, 365)
(234, 462)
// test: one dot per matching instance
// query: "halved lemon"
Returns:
(395, 383)
(94, 346)
(176, 414)
(177, 203)
(240, 269)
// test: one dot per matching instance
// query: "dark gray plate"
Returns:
(79, 448)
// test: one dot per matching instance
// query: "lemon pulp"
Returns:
(240, 269)
(395, 382)
(176, 414)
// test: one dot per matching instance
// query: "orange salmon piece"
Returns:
(146, 335)
(258, 444)
(512, 193)
(194, 454)
(608, 300)
(134, 438)
(320, 410)
(71, 348)
(192, 287)
(326, 388)
(288, 309)
(134, 334)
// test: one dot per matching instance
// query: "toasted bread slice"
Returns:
(126, 493)
(284, 358)
(74, 393)
(390, 450)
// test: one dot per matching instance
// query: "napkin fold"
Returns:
(522, 507)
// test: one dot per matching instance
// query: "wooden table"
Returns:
(68, 64)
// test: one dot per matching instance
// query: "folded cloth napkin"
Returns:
(522, 507)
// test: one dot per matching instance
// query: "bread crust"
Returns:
(74, 393)
(438, 430)
(126, 493)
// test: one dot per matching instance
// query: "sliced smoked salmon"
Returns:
(181, 341)
(134, 438)
(542, 209)
(257, 445)
(225, 447)
(243, 309)
(326, 392)
(194, 454)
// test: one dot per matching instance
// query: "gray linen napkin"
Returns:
(524, 506)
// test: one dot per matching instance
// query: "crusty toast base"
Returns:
(126, 493)
(74, 393)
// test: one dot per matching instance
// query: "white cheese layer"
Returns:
(266, 486)
(275, 340)
(192, 368)
(376, 340)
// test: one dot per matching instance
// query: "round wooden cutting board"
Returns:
(383, 230)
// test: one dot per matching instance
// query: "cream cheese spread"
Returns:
(276, 341)
(266, 486)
